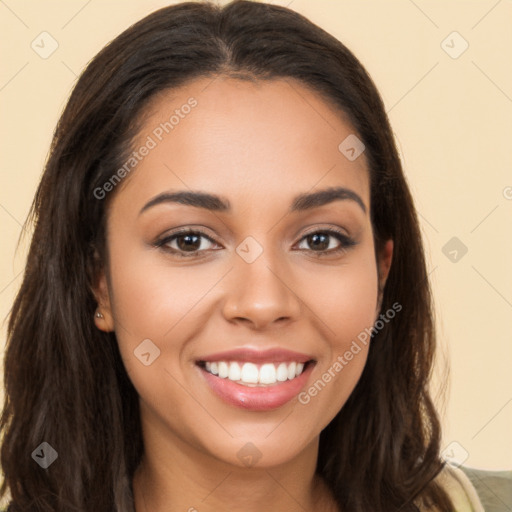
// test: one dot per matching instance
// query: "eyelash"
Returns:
(345, 242)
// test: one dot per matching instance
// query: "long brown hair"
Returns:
(64, 379)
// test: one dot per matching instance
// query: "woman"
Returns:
(225, 305)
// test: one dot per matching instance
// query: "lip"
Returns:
(274, 355)
(257, 398)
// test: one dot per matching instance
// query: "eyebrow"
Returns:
(216, 203)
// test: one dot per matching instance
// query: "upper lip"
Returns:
(273, 355)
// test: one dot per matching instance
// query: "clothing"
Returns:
(494, 488)
(460, 489)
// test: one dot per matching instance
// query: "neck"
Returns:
(175, 476)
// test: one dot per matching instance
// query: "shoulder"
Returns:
(493, 487)
(460, 489)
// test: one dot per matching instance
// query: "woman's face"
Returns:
(277, 276)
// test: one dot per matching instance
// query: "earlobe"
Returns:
(103, 318)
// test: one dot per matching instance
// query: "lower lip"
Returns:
(257, 398)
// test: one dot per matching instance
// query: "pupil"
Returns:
(320, 241)
(187, 240)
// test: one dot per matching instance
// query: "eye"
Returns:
(326, 242)
(192, 242)
(186, 243)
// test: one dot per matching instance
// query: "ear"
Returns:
(105, 322)
(384, 260)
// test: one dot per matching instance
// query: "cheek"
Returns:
(150, 298)
(345, 298)
(346, 303)
(155, 301)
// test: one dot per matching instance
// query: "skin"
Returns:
(258, 145)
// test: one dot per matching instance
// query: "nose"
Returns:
(261, 294)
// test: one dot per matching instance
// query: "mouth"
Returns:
(256, 380)
(252, 374)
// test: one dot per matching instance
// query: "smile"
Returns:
(251, 374)
(256, 380)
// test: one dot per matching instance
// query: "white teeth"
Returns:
(252, 374)
(223, 369)
(291, 370)
(234, 372)
(249, 373)
(282, 372)
(267, 374)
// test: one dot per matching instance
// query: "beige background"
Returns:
(453, 121)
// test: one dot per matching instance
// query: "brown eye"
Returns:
(186, 243)
(190, 242)
(326, 242)
(318, 241)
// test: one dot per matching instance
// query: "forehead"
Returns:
(260, 140)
